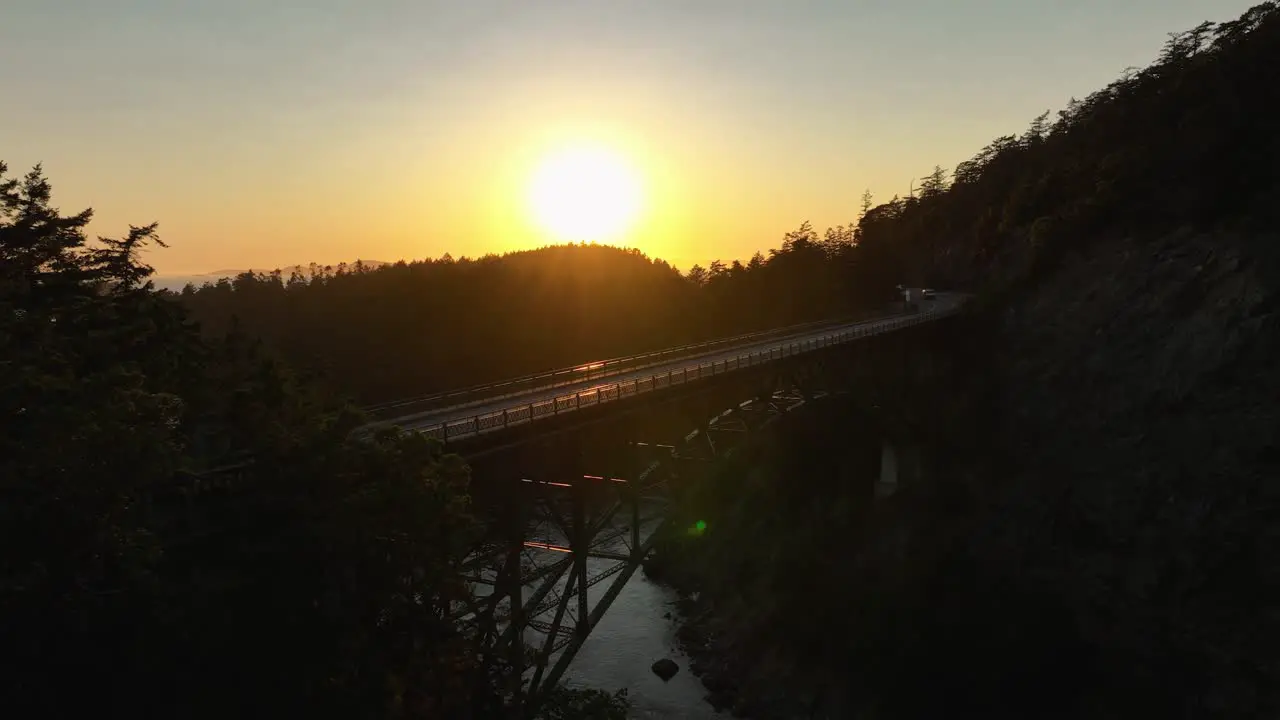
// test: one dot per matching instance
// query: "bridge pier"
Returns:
(515, 650)
(900, 465)
(579, 545)
(633, 490)
(887, 482)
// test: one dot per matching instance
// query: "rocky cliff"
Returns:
(1097, 533)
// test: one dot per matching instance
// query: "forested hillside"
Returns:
(1183, 143)
(413, 328)
(1099, 536)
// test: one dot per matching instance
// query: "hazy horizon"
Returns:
(273, 135)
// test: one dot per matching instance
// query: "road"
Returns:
(943, 304)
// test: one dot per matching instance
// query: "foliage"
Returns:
(189, 529)
(1116, 163)
(568, 703)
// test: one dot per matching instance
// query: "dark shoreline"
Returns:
(739, 680)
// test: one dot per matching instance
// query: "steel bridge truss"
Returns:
(536, 598)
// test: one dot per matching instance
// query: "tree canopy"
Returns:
(189, 529)
(1184, 142)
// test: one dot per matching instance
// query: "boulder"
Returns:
(665, 669)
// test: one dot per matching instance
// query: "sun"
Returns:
(585, 193)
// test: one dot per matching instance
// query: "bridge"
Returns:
(492, 408)
(574, 468)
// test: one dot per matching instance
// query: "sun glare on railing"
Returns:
(603, 392)
(547, 546)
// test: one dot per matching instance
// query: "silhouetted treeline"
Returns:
(187, 530)
(1185, 142)
(413, 328)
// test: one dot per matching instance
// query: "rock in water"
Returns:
(665, 669)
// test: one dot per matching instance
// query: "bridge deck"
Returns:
(487, 415)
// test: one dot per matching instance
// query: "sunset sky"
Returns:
(261, 133)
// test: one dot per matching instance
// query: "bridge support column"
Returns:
(549, 644)
(511, 586)
(580, 544)
(899, 465)
(634, 492)
(887, 483)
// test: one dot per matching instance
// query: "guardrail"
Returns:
(531, 412)
(597, 370)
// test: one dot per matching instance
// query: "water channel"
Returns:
(637, 630)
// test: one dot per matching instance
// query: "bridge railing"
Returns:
(570, 402)
(405, 409)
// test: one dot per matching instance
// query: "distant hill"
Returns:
(431, 325)
(177, 282)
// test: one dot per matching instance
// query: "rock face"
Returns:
(665, 669)
(1111, 440)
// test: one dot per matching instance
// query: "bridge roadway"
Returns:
(482, 416)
